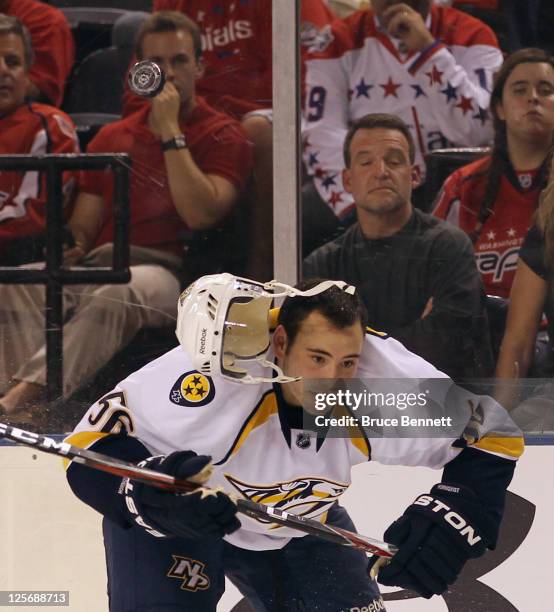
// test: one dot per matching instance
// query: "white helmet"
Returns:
(222, 324)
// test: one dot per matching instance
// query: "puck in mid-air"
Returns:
(146, 79)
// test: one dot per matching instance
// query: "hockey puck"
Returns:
(146, 79)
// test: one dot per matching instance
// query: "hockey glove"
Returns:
(202, 513)
(435, 536)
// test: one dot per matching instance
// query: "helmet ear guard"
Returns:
(222, 324)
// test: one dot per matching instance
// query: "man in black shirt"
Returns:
(415, 273)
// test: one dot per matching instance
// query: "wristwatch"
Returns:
(178, 142)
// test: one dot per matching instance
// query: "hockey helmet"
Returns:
(222, 323)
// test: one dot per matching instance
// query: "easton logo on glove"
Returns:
(451, 517)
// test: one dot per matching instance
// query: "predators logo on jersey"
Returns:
(192, 389)
(308, 497)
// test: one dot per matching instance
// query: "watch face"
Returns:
(180, 142)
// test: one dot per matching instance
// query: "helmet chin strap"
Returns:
(289, 291)
(254, 380)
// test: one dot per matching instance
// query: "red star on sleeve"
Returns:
(435, 76)
(319, 173)
(335, 198)
(465, 104)
(390, 88)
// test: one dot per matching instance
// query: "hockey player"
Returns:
(225, 409)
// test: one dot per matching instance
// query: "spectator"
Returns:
(189, 164)
(493, 198)
(237, 78)
(531, 295)
(415, 273)
(430, 65)
(53, 45)
(25, 127)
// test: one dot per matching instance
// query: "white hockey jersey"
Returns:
(170, 406)
(441, 93)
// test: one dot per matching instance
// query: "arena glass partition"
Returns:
(38, 511)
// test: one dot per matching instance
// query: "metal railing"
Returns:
(54, 276)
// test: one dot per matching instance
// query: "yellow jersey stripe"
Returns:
(267, 408)
(362, 445)
(375, 332)
(83, 439)
(509, 447)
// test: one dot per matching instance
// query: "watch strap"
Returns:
(177, 142)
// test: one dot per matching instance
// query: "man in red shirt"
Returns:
(25, 127)
(189, 165)
(53, 44)
(237, 78)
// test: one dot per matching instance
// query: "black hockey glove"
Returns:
(202, 513)
(435, 536)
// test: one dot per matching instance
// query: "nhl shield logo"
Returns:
(192, 389)
(303, 439)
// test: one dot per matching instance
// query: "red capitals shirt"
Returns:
(502, 234)
(31, 129)
(236, 49)
(52, 43)
(217, 144)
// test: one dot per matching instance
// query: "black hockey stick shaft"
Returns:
(125, 469)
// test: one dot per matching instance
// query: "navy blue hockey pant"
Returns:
(148, 574)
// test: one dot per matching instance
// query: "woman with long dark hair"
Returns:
(532, 295)
(493, 199)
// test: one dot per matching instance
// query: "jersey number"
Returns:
(114, 414)
(316, 103)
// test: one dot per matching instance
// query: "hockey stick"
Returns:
(165, 481)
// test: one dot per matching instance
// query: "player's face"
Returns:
(320, 350)
(13, 73)
(381, 176)
(174, 53)
(422, 6)
(527, 104)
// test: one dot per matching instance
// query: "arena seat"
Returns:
(91, 28)
(440, 165)
(96, 85)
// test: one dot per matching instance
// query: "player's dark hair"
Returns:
(341, 308)
(372, 122)
(168, 21)
(499, 158)
(12, 25)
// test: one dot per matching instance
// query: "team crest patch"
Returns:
(191, 572)
(192, 389)
(309, 497)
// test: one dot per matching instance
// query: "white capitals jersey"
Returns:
(169, 406)
(442, 93)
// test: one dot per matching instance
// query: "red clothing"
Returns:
(37, 129)
(497, 248)
(217, 144)
(236, 49)
(52, 42)
(441, 92)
